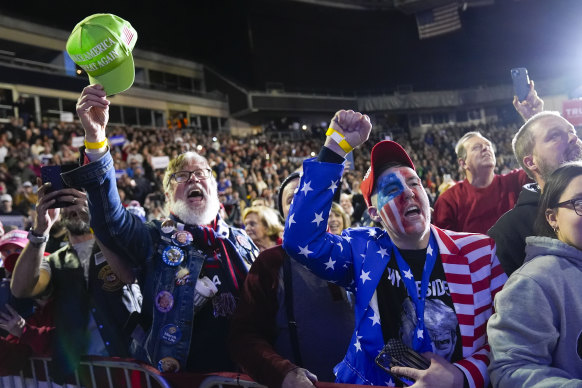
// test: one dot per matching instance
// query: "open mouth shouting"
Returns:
(402, 202)
(412, 211)
(195, 195)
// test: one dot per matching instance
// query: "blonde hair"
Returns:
(339, 211)
(268, 217)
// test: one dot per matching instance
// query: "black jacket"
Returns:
(510, 231)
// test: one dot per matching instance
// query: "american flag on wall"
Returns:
(438, 21)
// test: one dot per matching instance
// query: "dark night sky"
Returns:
(308, 47)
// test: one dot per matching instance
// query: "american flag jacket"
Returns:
(357, 259)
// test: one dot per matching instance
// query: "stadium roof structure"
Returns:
(328, 46)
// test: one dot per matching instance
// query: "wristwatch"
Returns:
(36, 239)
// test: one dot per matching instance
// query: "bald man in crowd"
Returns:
(476, 203)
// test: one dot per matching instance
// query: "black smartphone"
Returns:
(396, 353)
(5, 294)
(520, 82)
(52, 174)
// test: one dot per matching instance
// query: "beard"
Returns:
(546, 169)
(204, 216)
(77, 227)
(573, 154)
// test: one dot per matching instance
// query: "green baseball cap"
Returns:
(101, 44)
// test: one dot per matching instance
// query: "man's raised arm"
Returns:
(305, 237)
(531, 105)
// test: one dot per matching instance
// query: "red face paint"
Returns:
(406, 213)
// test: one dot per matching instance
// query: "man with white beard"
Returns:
(190, 265)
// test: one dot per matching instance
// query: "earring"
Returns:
(555, 229)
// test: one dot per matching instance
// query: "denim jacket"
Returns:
(144, 245)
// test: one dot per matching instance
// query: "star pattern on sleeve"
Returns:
(420, 333)
(375, 318)
(306, 188)
(365, 276)
(408, 274)
(291, 220)
(318, 218)
(304, 251)
(429, 250)
(330, 264)
(333, 186)
(382, 252)
(357, 344)
(348, 239)
(372, 232)
(341, 246)
(390, 383)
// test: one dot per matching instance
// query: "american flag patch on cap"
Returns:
(127, 35)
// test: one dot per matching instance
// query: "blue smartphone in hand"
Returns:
(52, 174)
(520, 82)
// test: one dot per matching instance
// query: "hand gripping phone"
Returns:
(520, 82)
(52, 174)
(396, 353)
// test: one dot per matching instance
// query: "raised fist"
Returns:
(348, 127)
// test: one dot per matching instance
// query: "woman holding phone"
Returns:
(536, 333)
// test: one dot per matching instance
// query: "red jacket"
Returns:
(34, 341)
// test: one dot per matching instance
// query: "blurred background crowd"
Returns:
(248, 171)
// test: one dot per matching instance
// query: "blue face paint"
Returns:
(389, 188)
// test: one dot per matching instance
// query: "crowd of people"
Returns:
(200, 252)
(246, 169)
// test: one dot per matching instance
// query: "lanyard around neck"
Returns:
(421, 341)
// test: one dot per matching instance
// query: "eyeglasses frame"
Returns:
(202, 178)
(577, 208)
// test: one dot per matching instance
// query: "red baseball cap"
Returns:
(16, 237)
(383, 153)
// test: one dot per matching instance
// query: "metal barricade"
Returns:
(105, 372)
(98, 372)
(223, 381)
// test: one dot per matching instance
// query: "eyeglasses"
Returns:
(576, 204)
(185, 176)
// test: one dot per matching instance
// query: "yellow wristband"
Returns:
(340, 140)
(96, 146)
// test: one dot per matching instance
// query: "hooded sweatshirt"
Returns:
(536, 333)
(510, 231)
